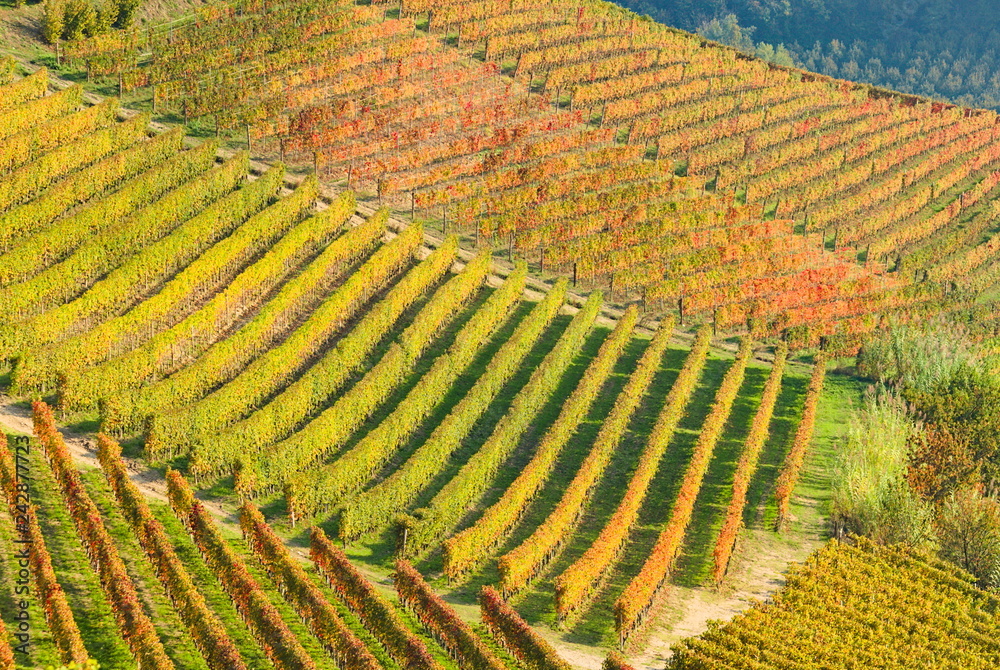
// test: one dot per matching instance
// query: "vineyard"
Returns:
(472, 335)
(897, 601)
(655, 166)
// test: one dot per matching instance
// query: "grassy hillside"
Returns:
(408, 347)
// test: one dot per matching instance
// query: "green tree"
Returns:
(53, 20)
(81, 19)
(126, 12)
(969, 533)
(727, 30)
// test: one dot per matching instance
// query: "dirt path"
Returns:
(84, 450)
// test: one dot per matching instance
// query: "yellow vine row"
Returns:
(392, 495)
(212, 270)
(328, 431)
(59, 265)
(136, 276)
(27, 145)
(247, 365)
(318, 490)
(641, 592)
(29, 180)
(475, 477)
(279, 417)
(244, 295)
(466, 549)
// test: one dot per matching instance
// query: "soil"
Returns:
(84, 449)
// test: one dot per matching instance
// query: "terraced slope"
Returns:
(560, 129)
(319, 360)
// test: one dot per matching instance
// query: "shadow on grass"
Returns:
(694, 564)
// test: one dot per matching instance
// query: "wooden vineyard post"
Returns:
(413, 206)
(249, 145)
(574, 274)
(510, 247)
(541, 260)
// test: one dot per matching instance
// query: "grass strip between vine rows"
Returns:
(451, 503)
(467, 549)
(375, 612)
(133, 624)
(260, 616)
(58, 615)
(317, 490)
(207, 632)
(640, 594)
(520, 565)
(747, 465)
(302, 594)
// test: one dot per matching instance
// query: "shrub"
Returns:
(916, 357)
(870, 495)
(969, 532)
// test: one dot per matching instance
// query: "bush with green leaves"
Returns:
(917, 357)
(870, 493)
(77, 19)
